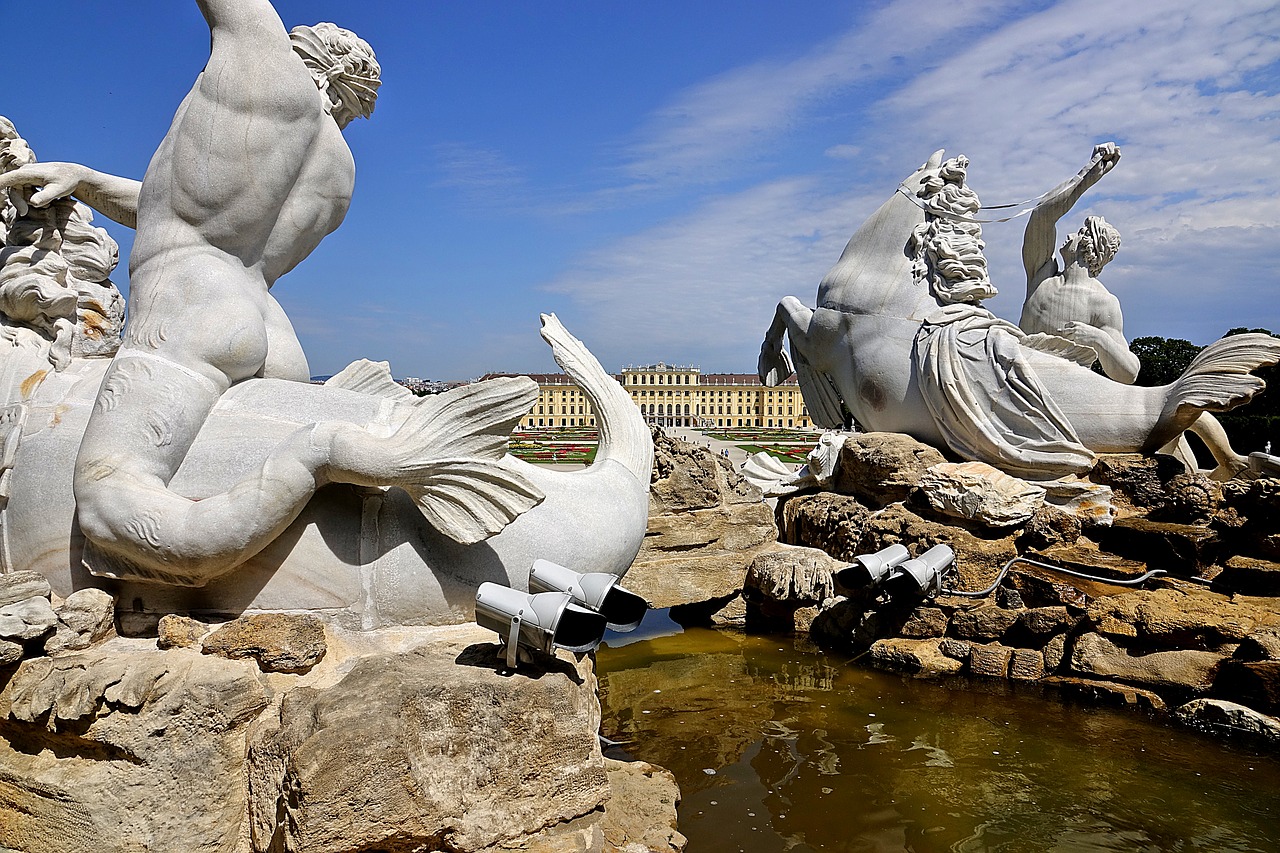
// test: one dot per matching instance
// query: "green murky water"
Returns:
(783, 748)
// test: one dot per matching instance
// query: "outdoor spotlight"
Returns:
(871, 570)
(923, 575)
(537, 621)
(598, 591)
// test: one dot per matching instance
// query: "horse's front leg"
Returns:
(790, 319)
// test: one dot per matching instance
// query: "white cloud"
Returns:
(1196, 196)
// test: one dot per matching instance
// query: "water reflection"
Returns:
(779, 748)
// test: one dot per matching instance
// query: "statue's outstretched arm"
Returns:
(114, 197)
(1041, 237)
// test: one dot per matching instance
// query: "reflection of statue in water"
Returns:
(898, 341)
(253, 173)
(1069, 301)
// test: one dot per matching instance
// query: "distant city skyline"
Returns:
(660, 174)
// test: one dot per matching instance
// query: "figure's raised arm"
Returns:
(1041, 237)
(114, 197)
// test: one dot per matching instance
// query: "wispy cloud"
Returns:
(1189, 89)
(484, 176)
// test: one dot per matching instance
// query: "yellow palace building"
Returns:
(668, 395)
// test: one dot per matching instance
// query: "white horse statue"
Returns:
(899, 343)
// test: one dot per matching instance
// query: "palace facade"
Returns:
(669, 395)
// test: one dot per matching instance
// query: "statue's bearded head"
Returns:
(344, 69)
(1098, 242)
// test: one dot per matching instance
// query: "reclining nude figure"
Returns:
(1067, 299)
(217, 224)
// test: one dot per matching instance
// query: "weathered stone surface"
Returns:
(456, 756)
(27, 619)
(1184, 670)
(1249, 575)
(18, 586)
(1139, 478)
(1041, 587)
(826, 520)
(1043, 621)
(1089, 503)
(925, 622)
(1221, 717)
(785, 579)
(1051, 526)
(983, 623)
(1179, 617)
(990, 660)
(1260, 645)
(1180, 549)
(10, 652)
(792, 574)
(1054, 651)
(401, 740)
(975, 491)
(882, 467)
(1190, 499)
(688, 477)
(641, 813)
(1107, 692)
(279, 642)
(179, 632)
(87, 616)
(1026, 665)
(915, 657)
(148, 752)
(953, 648)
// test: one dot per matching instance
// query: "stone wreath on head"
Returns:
(343, 65)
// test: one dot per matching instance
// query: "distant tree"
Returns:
(1253, 425)
(1163, 359)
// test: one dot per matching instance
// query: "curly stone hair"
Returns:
(1099, 242)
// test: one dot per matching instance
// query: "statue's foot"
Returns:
(1230, 469)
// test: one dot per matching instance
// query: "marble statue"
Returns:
(1067, 299)
(197, 468)
(899, 341)
(775, 478)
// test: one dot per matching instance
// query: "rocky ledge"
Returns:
(284, 734)
(1201, 642)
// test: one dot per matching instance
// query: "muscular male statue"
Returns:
(1068, 300)
(252, 174)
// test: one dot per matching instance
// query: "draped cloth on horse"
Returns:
(987, 401)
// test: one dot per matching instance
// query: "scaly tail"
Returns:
(624, 438)
(447, 454)
(1218, 379)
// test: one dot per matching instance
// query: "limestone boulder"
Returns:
(925, 622)
(826, 520)
(975, 491)
(1050, 526)
(882, 467)
(1091, 503)
(1182, 671)
(18, 586)
(1180, 616)
(1249, 575)
(279, 642)
(688, 477)
(84, 618)
(126, 748)
(1180, 549)
(982, 623)
(450, 755)
(990, 660)
(1253, 683)
(792, 576)
(640, 816)
(179, 632)
(1139, 479)
(27, 619)
(1228, 718)
(914, 657)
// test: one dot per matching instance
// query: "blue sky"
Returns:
(659, 174)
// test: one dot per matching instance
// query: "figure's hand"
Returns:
(55, 180)
(1105, 157)
(1083, 333)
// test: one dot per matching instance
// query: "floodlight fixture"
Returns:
(872, 570)
(599, 591)
(923, 575)
(540, 621)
